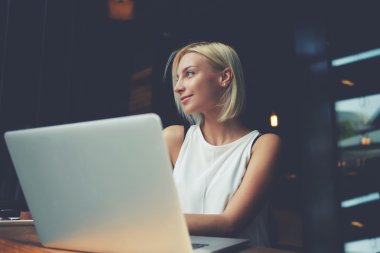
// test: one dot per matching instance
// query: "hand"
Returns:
(25, 215)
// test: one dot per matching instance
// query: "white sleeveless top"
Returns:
(207, 177)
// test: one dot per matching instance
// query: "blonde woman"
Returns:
(222, 169)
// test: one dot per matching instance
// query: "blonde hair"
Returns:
(219, 56)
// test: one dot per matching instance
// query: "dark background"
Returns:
(68, 61)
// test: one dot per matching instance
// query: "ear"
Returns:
(226, 77)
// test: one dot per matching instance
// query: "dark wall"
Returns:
(20, 75)
(61, 62)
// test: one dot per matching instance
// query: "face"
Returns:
(199, 85)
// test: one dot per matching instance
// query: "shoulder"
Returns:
(173, 137)
(265, 153)
(173, 134)
(267, 141)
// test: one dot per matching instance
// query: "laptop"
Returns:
(104, 186)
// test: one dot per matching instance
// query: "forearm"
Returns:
(209, 224)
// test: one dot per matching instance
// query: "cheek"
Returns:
(208, 82)
(207, 88)
(213, 89)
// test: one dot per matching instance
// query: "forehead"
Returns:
(192, 59)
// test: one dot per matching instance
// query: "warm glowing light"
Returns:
(347, 82)
(357, 224)
(366, 140)
(274, 120)
(121, 9)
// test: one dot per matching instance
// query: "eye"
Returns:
(189, 73)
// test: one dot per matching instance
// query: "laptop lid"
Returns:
(101, 186)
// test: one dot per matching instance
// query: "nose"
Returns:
(178, 88)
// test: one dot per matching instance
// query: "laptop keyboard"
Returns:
(199, 245)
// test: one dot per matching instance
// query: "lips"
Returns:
(185, 98)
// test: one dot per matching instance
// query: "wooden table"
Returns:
(24, 239)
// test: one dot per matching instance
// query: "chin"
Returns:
(189, 111)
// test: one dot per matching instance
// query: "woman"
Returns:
(222, 170)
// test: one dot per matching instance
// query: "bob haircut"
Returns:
(219, 56)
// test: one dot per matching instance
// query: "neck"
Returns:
(219, 133)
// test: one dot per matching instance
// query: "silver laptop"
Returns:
(104, 186)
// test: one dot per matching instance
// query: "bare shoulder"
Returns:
(173, 134)
(267, 142)
(173, 137)
(266, 153)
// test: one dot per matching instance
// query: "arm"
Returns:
(249, 197)
(173, 137)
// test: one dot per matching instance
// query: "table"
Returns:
(24, 239)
